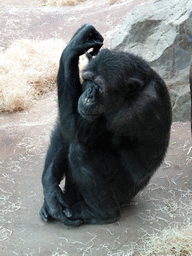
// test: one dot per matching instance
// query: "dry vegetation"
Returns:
(171, 241)
(28, 69)
(63, 2)
(71, 2)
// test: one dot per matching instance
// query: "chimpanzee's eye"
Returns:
(88, 76)
(101, 90)
(100, 83)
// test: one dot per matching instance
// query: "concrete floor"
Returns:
(24, 138)
(23, 142)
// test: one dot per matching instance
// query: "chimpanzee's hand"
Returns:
(54, 203)
(85, 38)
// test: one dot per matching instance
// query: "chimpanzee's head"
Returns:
(108, 81)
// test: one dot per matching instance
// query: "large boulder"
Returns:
(161, 33)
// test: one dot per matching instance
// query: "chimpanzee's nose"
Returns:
(91, 96)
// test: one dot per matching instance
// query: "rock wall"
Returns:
(161, 33)
(190, 81)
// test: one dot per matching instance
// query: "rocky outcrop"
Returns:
(190, 81)
(161, 33)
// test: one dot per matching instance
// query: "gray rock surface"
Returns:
(190, 81)
(162, 34)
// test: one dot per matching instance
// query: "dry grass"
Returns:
(71, 2)
(28, 69)
(64, 2)
(171, 241)
(113, 1)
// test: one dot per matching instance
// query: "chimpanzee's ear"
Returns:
(134, 84)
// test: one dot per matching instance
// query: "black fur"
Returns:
(112, 133)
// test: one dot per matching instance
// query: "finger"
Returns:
(67, 212)
(84, 48)
(43, 214)
(95, 45)
(69, 222)
(56, 212)
(95, 51)
(62, 198)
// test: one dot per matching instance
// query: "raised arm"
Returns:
(69, 87)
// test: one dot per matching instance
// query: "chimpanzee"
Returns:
(111, 135)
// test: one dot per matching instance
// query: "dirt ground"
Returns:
(24, 139)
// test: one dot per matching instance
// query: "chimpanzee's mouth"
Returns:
(88, 116)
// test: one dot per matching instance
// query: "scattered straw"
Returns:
(171, 241)
(4, 233)
(60, 252)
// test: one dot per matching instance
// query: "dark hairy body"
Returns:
(111, 136)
